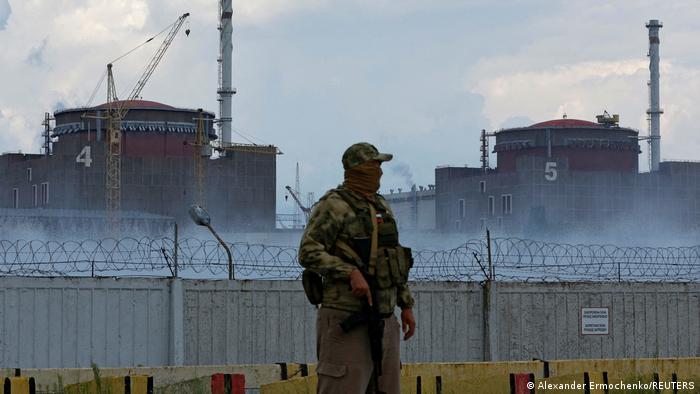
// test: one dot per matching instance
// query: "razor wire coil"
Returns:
(513, 259)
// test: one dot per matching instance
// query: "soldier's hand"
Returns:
(408, 323)
(359, 286)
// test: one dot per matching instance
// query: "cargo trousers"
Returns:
(344, 360)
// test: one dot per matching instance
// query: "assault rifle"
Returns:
(370, 315)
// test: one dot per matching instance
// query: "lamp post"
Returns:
(201, 217)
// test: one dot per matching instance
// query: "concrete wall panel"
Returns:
(247, 322)
(449, 323)
(56, 322)
(59, 322)
(646, 320)
(267, 322)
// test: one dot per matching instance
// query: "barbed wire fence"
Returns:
(511, 259)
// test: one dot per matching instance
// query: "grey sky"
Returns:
(418, 78)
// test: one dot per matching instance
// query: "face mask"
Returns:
(364, 178)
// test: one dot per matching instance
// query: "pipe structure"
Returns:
(225, 91)
(654, 110)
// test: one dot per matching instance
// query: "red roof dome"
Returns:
(131, 104)
(566, 123)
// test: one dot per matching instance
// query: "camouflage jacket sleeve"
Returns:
(404, 299)
(325, 223)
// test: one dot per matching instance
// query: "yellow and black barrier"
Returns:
(567, 376)
(516, 383)
(624, 368)
(292, 370)
(661, 375)
(133, 384)
(428, 384)
(476, 377)
(409, 385)
(19, 385)
(579, 383)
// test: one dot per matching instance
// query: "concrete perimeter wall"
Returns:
(65, 323)
(647, 320)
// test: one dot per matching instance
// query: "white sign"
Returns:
(595, 321)
(550, 171)
(84, 156)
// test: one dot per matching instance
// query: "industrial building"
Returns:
(141, 164)
(414, 210)
(567, 175)
(555, 177)
(564, 176)
(157, 169)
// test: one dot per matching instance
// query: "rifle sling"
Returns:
(372, 266)
(375, 241)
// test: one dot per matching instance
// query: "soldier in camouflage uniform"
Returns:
(351, 215)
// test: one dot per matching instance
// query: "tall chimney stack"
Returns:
(225, 90)
(654, 110)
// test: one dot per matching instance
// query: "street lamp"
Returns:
(201, 217)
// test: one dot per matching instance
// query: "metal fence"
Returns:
(511, 259)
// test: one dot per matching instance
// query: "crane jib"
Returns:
(117, 112)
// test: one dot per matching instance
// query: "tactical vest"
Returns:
(390, 265)
(391, 262)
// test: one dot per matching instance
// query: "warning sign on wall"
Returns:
(595, 321)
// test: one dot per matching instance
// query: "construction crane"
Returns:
(295, 196)
(117, 110)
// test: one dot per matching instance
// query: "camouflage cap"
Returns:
(362, 152)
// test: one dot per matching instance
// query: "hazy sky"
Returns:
(419, 78)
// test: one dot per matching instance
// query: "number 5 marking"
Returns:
(550, 171)
(84, 156)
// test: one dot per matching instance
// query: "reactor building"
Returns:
(158, 177)
(142, 164)
(563, 176)
(556, 177)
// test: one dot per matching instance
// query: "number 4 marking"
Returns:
(550, 171)
(84, 156)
